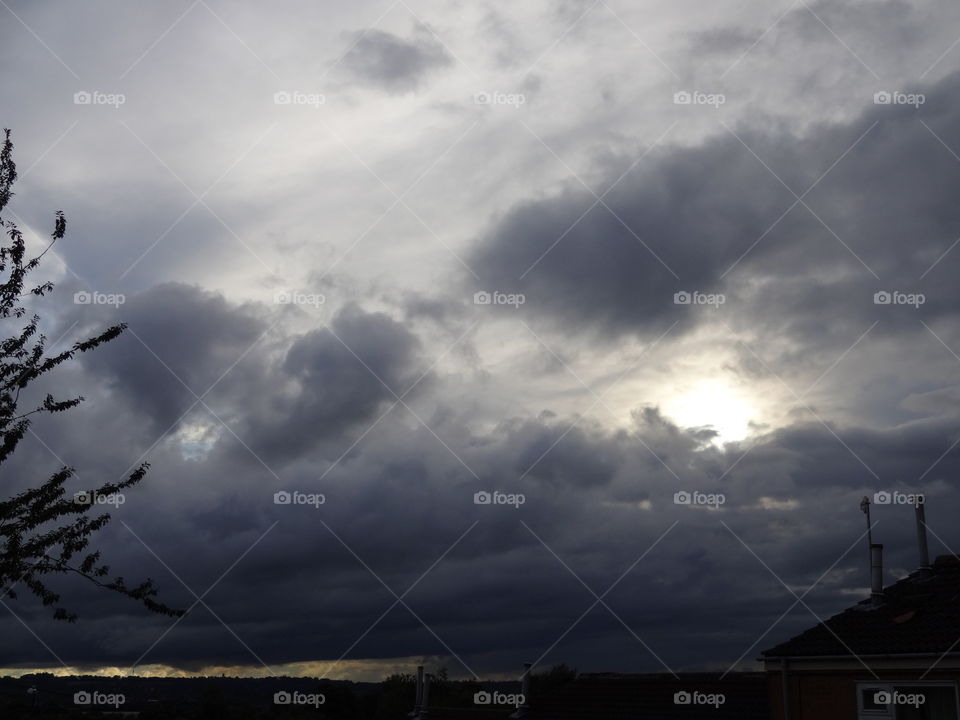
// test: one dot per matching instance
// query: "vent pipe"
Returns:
(876, 571)
(922, 535)
(865, 509)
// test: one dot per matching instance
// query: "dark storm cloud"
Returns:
(184, 342)
(333, 378)
(180, 340)
(393, 63)
(708, 218)
(671, 223)
(404, 495)
(305, 404)
(500, 596)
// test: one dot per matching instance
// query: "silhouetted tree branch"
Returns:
(42, 532)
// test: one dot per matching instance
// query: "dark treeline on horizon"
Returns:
(229, 698)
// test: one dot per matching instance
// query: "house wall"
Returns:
(832, 694)
(814, 696)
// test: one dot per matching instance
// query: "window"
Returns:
(907, 701)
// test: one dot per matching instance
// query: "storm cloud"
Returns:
(468, 302)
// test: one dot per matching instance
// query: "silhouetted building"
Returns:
(893, 656)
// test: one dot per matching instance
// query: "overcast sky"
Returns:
(301, 210)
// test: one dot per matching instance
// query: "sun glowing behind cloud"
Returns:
(715, 404)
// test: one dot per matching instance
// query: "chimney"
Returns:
(524, 709)
(865, 509)
(418, 702)
(922, 536)
(425, 704)
(876, 572)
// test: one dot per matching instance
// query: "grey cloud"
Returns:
(314, 386)
(612, 271)
(885, 36)
(888, 206)
(301, 411)
(402, 496)
(181, 339)
(333, 378)
(393, 63)
(301, 594)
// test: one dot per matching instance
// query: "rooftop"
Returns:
(918, 614)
